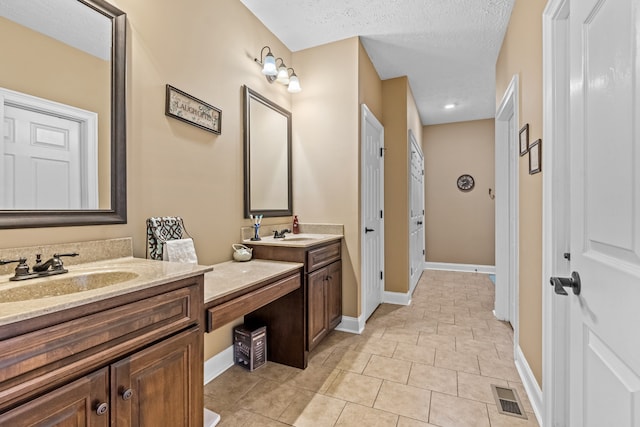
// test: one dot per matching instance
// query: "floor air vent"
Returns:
(508, 402)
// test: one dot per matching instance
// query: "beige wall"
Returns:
(399, 115)
(326, 150)
(459, 226)
(83, 84)
(521, 54)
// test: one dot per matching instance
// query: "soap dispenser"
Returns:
(296, 227)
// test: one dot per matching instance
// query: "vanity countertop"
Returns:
(233, 276)
(149, 273)
(295, 240)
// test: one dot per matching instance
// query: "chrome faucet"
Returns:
(280, 235)
(40, 269)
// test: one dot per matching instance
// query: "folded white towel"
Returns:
(180, 250)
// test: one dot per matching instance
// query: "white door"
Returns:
(372, 212)
(42, 167)
(416, 212)
(605, 213)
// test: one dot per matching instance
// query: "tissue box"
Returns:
(250, 346)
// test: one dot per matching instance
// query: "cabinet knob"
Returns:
(127, 394)
(102, 408)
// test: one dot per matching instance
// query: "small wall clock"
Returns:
(466, 182)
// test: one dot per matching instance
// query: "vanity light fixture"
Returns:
(278, 72)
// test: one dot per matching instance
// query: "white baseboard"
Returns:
(218, 364)
(471, 268)
(351, 324)
(530, 384)
(396, 298)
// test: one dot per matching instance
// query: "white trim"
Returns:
(555, 211)
(218, 364)
(506, 202)
(88, 121)
(351, 324)
(530, 384)
(396, 298)
(471, 268)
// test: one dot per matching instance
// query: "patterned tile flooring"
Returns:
(428, 364)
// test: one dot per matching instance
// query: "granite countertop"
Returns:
(295, 240)
(232, 276)
(149, 273)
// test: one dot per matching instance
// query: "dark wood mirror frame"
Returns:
(117, 214)
(249, 95)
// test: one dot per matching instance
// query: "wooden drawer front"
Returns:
(245, 304)
(322, 256)
(147, 319)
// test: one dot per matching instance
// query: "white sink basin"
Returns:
(64, 286)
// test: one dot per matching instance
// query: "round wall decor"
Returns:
(465, 182)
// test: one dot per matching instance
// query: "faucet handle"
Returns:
(57, 262)
(22, 269)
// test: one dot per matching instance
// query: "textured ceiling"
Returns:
(447, 48)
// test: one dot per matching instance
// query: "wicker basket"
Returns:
(250, 346)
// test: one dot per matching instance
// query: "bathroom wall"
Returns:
(399, 114)
(81, 86)
(459, 226)
(326, 150)
(521, 54)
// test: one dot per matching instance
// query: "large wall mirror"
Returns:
(267, 157)
(62, 113)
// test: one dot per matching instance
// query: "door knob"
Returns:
(366, 230)
(573, 282)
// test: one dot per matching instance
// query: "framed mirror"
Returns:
(62, 114)
(267, 157)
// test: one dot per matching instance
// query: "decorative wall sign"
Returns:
(185, 107)
(535, 157)
(524, 139)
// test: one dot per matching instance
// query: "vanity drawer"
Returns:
(322, 256)
(60, 352)
(226, 312)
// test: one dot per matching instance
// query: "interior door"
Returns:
(372, 211)
(605, 213)
(42, 161)
(416, 212)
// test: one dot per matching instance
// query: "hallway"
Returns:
(427, 364)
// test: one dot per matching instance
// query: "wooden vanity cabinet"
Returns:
(322, 283)
(139, 363)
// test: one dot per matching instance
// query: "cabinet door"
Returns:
(317, 307)
(334, 293)
(73, 405)
(161, 385)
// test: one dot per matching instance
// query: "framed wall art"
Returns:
(535, 157)
(182, 106)
(524, 139)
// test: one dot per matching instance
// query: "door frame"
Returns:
(555, 211)
(414, 142)
(368, 116)
(507, 162)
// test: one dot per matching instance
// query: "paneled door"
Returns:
(372, 193)
(416, 212)
(605, 213)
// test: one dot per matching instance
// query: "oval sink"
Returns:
(65, 286)
(298, 238)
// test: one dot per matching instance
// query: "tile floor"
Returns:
(427, 364)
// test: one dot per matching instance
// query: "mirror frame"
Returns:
(249, 95)
(117, 213)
